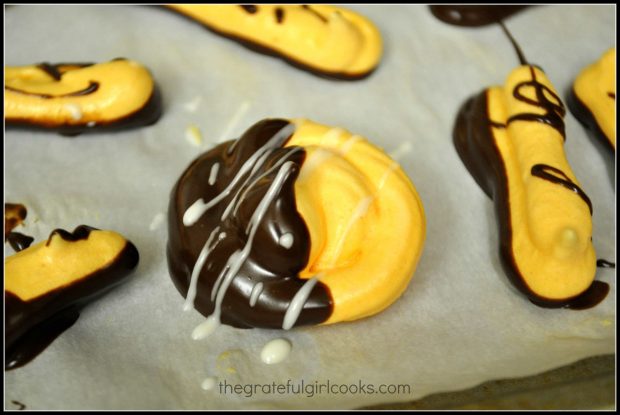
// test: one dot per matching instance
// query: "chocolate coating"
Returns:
(474, 16)
(587, 119)
(276, 267)
(30, 326)
(474, 142)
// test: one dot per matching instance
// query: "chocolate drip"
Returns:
(515, 45)
(554, 111)
(314, 12)
(542, 171)
(91, 88)
(276, 267)
(279, 14)
(250, 8)
(612, 95)
(30, 326)
(19, 241)
(603, 263)
(473, 16)
(475, 144)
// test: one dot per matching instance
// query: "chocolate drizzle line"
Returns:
(603, 263)
(542, 171)
(31, 326)
(91, 88)
(276, 267)
(554, 111)
(314, 12)
(20, 406)
(611, 95)
(279, 12)
(515, 45)
(250, 8)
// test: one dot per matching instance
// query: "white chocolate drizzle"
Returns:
(202, 258)
(199, 207)
(257, 289)
(213, 173)
(297, 303)
(276, 351)
(286, 240)
(245, 106)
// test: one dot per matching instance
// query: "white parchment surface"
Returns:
(458, 324)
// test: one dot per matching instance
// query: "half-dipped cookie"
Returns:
(326, 40)
(592, 98)
(295, 223)
(47, 284)
(73, 98)
(511, 140)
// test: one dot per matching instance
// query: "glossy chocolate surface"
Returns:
(276, 267)
(475, 144)
(474, 16)
(30, 326)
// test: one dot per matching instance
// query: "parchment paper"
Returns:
(458, 324)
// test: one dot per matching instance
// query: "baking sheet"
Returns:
(458, 324)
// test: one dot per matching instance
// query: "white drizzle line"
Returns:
(202, 258)
(360, 210)
(256, 292)
(400, 151)
(236, 260)
(213, 173)
(157, 220)
(196, 210)
(245, 106)
(297, 303)
(269, 171)
(206, 328)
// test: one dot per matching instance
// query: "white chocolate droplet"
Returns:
(75, 111)
(206, 328)
(276, 351)
(256, 290)
(192, 105)
(286, 240)
(157, 220)
(209, 383)
(213, 173)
